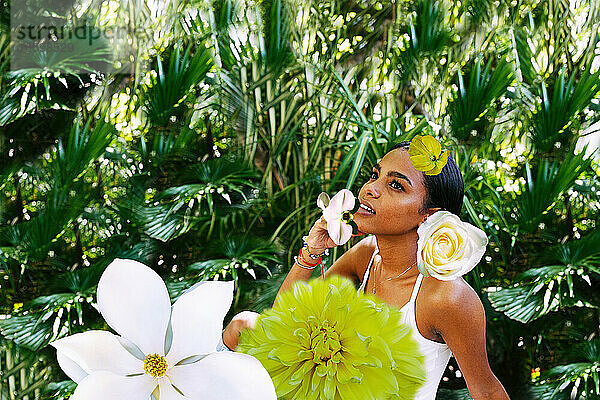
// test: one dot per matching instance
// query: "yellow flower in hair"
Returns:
(426, 155)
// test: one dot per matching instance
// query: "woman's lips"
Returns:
(362, 211)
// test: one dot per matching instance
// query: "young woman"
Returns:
(447, 317)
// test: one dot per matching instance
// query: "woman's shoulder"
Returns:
(368, 243)
(447, 298)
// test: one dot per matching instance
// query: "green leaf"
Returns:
(541, 290)
(85, 144)
(551, 121)
(171, 86)
(27, 330)
(541, 191)
(472, 101)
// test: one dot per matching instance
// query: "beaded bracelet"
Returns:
(302, 266)
(318, 260)
(313, 256)
(306, 265)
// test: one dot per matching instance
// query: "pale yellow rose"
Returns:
(448, 247)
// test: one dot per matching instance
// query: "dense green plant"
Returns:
(204, 160)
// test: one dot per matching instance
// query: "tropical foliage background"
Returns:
(203, 154)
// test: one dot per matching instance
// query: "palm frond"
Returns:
(85, 144)
(46, 318)
(578, 380)
(550, 182)
(29, 331)
(238, 253)
(37, 236)
(172, 85)
(542, 290)
(472, 101)
(553, 288)
(161, 147)
(551, 121)
(278, 26)
(160, 222)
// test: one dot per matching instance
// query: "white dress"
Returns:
(436, 354)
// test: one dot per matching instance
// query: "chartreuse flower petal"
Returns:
(426, 155)
(440, 163)
(324, 340)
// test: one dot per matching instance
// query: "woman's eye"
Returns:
(398, 185)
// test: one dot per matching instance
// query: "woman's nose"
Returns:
(371, 189)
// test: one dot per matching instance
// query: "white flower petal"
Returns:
(478, 236)
(95, 351)
(334, 228)
(339, 231)
(197, 319)
(439, 230)
(336, 203)
(104, 385)
(347, 199)
(70, 367)
(225, 375)
(332, 215)
(342, 201)
(134, 301)
(346, 233)
(167, 391)
(323, 200)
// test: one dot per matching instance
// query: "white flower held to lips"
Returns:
(162, 350)
(337, 213)
(448, 247)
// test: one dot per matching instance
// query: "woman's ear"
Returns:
(425, 216)
(428, 213)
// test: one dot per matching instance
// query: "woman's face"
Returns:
(396, 193)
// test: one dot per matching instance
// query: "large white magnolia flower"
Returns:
(164, 351)
(338, 213)
(448, 247)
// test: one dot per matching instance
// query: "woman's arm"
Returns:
(351, 262)
(317, 240)
(461, 322)
(349, 265)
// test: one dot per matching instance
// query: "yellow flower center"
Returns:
(325, 343)
(432, 158)
(346, 216)
(155, 365)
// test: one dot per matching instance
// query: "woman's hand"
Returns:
(318, 238)
(241, 321)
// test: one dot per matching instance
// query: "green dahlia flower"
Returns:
(324, 340)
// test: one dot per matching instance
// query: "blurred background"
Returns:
(200, 150)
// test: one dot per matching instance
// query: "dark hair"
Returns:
(444, 190)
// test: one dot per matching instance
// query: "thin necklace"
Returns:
(394, 277)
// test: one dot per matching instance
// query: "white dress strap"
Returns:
(363, 284)
(436, 354)
(415, 290)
